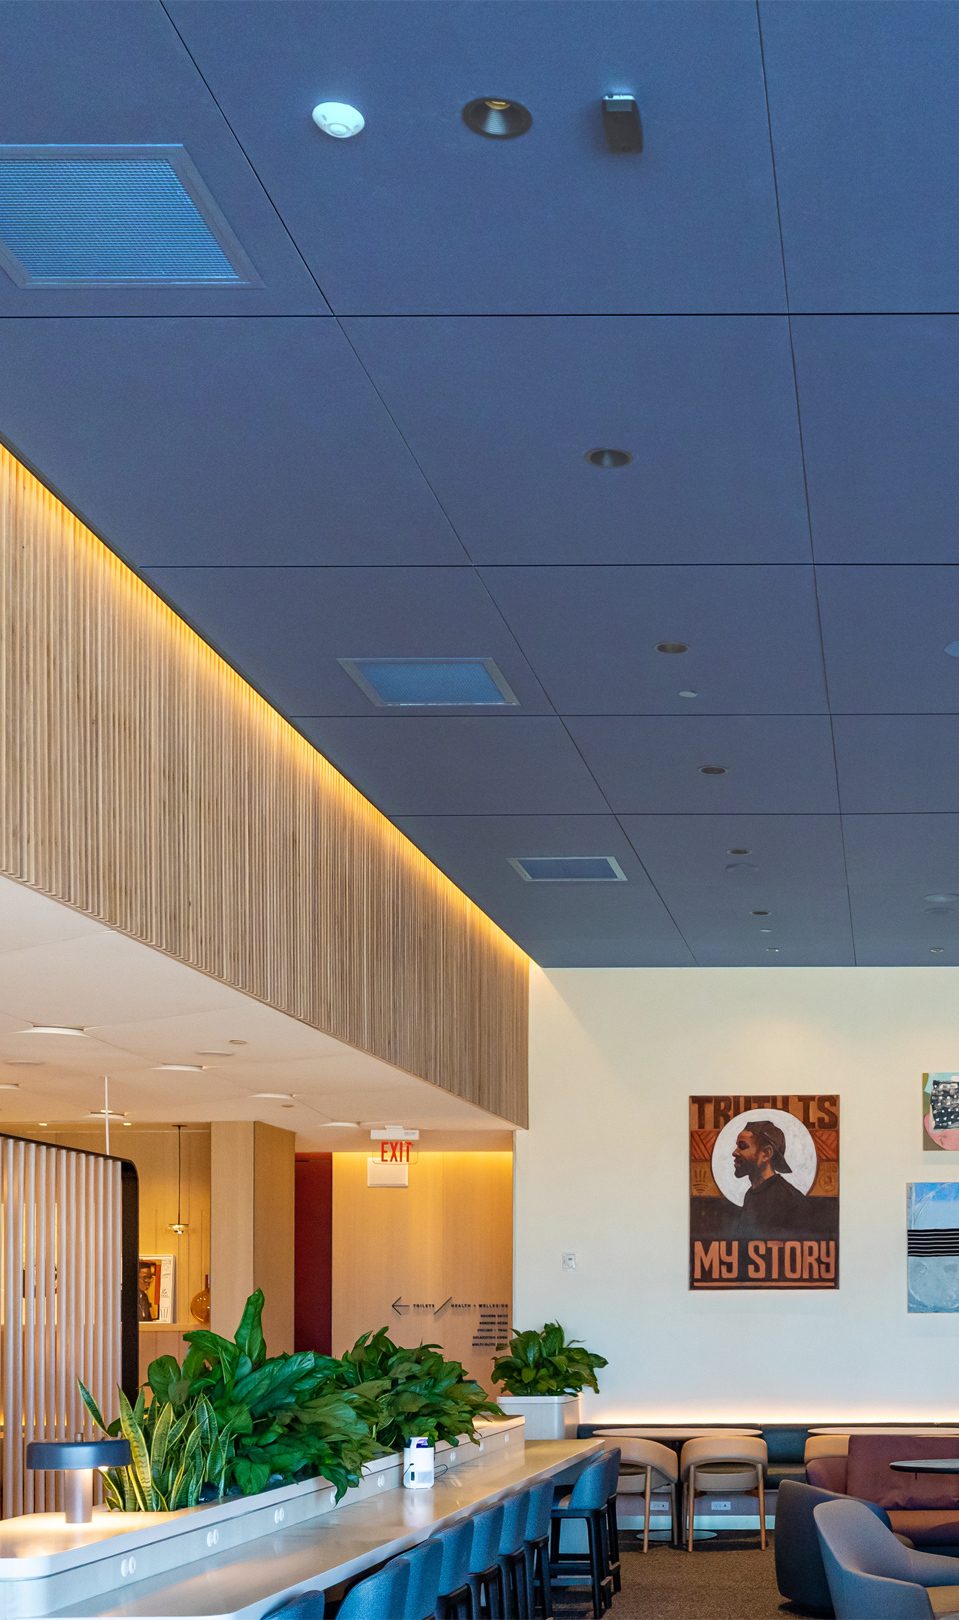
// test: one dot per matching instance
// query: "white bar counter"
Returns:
(165, 1566)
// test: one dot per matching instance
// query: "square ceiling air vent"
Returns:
(81, 216)
(423, 683)
(568, 868)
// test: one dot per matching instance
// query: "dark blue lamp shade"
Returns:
(78, 1459)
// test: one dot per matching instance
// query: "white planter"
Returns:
(547, 1417)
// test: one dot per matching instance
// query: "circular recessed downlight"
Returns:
(339, 119)
(940, 899)
(687, 694)
(608, 458)
(738, 852)
(759, 913)
(182, 1068)
(672, 647)
(9, 1085)
(497, 118)
(274, 1096)
(765, 930)
(712, 770)
(936, 950)
(341, 1124)
(234, 1042)
(773, 950)
(212, 1052)
(952, 648)
(43, 1124)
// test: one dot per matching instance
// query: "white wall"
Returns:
(603, 1171)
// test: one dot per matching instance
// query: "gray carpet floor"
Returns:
(728, 1578)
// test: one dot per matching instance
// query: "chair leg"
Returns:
(647, 1493)
(690, 1508)
(762, 1508)
(592, 1538)
(673, 1528)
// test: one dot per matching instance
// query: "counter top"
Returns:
(247, 1582)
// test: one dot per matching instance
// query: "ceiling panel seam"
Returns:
(246, 157)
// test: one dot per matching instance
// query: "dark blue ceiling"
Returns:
(379, 447)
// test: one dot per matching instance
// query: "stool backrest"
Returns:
(515, 1515)
(425, 1563)
(539, 1514)
(378, 1595)
(597, 1483)
(487, 1529)
(302, 1606)
(455, 1541)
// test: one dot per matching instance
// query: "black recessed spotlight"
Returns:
(712, 770)
(499, 120)
(759, 914)
(672, 646)
(738, 852)
(608, 458)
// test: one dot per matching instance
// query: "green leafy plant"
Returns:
(231, 1420)
(544, 1362)
(404, 1392)
(173, 1455)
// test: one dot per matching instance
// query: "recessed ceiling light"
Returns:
(941, 899)
(608, 458)
(341, 1124)
(181, 1068)
(712, 770)
(212, 1052)
(501, 120)
(738, 852)
(759, 913)
(431, 683)
(103, 1113)
(128, 1122)
(765, 930)
(936, 950)
(274, 1096)
(238, 1043)
(25, 1063)
(54, 1029)
(773, 950)
(687, 694)
(952, 648)
(43, 1124)
(672, 647)
(9, 1085)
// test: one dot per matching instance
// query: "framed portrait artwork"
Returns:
(764, 1192)
(155, 1284)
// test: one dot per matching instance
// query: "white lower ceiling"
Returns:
(139, 1009)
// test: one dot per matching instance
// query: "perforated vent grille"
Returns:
(415, 683)
(568, 868)
(70, 217)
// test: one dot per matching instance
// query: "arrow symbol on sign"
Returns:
(398, 1307)
(441, 1308)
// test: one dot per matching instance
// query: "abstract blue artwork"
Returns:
(932, 1211)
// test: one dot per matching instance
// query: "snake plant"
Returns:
(173, 1455)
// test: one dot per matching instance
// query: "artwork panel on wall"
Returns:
(940, 1112)
(932, 1239)
(155, 1278)
(764, 1192)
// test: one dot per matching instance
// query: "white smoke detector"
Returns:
(338, 119)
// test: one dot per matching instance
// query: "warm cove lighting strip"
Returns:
(60, 1258)
(149, 785)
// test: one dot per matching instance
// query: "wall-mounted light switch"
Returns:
(569, 1262)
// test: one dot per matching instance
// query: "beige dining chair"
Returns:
(647, 1466)
(826, 1445)
(719, 1463)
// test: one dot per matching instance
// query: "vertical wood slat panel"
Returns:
(60, 1262)
(143, 782)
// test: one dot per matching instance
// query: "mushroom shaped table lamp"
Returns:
(78, 1458)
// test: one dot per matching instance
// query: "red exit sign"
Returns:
(394, 1153)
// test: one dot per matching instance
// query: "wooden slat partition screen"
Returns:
(61, 1257)
(145, 783)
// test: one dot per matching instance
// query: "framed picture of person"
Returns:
(155, 1280)
(764, 1192)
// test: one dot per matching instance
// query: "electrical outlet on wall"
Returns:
(720, 1504)
(569, 1262)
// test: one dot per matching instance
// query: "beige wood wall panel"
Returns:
(449, 1232)
(146, 784)
(153, 1149)
(252, 1188)
(60, 1256)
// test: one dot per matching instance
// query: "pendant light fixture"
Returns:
(179, 1226)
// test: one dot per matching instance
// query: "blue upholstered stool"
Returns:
(456, 1541)
(539, 1586)
(424, 1563)
(512, 1554)
(485, 1577)
(302, 1606)
(593, 1502)
(378, 1595)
